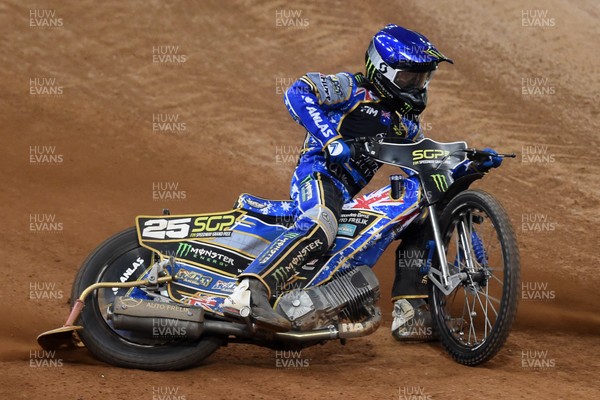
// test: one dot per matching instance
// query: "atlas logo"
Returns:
(324, 128)
(129, 272)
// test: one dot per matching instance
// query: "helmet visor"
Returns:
(408, 79)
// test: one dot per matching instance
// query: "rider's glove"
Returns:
(493, 161)
(339, 152)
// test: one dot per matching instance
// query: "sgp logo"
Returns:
(213, 223)
(429, 154)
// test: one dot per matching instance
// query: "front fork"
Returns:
(441, 277)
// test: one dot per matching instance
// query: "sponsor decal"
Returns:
(440, 182)
(308, 100)
(129, 272)
(429, 156)
(181, 228)
(337, 87)
(335, 148)
(255, 204)
(354, 218)
(281, 274)
(214, 225)
(207, 256)
(193, 277)
(325, 87)
(346, 230)
(323, 126)
(306, 192)
(366, 109)
(225, 286)
(277, 245)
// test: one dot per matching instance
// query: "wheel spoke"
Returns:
(485, 314)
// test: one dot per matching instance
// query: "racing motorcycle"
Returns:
(151, 296)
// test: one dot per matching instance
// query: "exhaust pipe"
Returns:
(345, 330)
(159, 320)
(164, 320)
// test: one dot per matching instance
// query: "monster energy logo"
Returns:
(440, 182)
(280, 276)
(183, 249)
(434, 53)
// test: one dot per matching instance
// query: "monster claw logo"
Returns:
(440, 182)
(434, 52)
(183, 249)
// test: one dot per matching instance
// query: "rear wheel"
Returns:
(117, 259)
(475, 319)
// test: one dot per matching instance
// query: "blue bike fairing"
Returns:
(366, 246)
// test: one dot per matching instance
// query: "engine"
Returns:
(349, 296)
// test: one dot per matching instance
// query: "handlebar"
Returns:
(481, 155)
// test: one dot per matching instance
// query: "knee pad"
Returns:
(327, 221)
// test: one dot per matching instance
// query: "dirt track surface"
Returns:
(530, 89)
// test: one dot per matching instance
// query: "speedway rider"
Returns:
(336, 109)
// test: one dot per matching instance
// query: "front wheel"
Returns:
(121, 258)
(475, 319)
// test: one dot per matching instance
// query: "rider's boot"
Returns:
(250, 299)
(262, 312)
(412, 321)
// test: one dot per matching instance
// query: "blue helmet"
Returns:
(400, 64)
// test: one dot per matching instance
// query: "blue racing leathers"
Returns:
(330, 108)
(343, 106)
